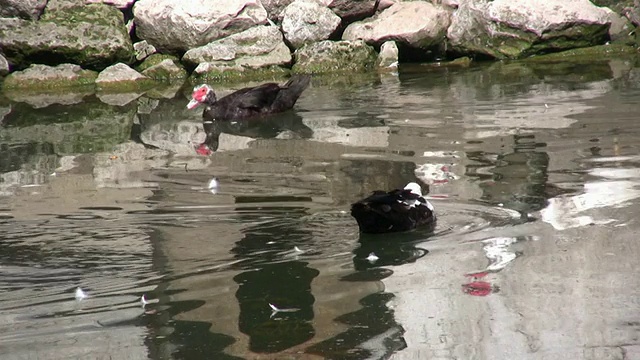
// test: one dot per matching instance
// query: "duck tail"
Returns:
(292, 90)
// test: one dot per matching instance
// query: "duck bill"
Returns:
(193, 104)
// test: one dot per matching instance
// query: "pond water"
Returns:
(534, 171)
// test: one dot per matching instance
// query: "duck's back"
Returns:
(269, 98)
(397, 210)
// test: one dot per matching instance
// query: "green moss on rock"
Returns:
(210, 72)
(155, 59)
(590, 54)
(335, 56)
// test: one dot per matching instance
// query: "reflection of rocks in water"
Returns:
(267, 280)
(25, 164)
(288, 125)
(362, 176)
(178, 137)
(373, 332)
(87, 127)
(517, 180)
(44, 99)
(117, 99)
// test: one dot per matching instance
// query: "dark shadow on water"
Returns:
(273, 275)
(389, 249)
(263, 128)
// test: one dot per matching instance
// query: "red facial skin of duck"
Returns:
(198, 97)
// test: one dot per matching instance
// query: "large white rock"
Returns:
(256, 47)
(515, 28)
(307, 21)
(417, 24)
(26, 9)
(182, 25)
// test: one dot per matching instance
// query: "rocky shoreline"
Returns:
(133, 45)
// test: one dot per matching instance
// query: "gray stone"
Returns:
(620, 27)
(330, 56)
(49, 77)
(358, 9)
(518, 28)
(93, 36)
(633, 13)
(121, 76)
(25, 9)
(257, 47)
(4, 66)
(120, 4)
(173, 25)
(275, 8)
(142, 49)
(417, 24)
(165, 70)
(388, 56)
(307, 21)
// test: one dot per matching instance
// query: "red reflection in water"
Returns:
(477, 288)
(203, 149)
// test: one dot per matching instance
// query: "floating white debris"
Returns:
(143, 301)
(271, 242)
(342, 212)
(275, 310)
(213, 186)
(372, 258)
(546, 106)
(297, 249)
(393, 65)
(80, 295)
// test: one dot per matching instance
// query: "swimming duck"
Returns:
(249, 102)
(393, 211)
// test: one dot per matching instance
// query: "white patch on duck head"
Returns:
(414, 187)
(199, 95)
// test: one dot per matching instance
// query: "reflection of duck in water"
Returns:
(393, 211)
(270, 127)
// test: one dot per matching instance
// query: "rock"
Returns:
(154, 60)
(306, 21)
(93, 36)
(215, 71)
(165, 70)
(350, 10)
(142, 49)
(61, 5)
(258, 47)
(417, 24)
(633, 13)
(275, 8)
(620, 28)
(517, 28)
(182, 25)
(388, 56)
(328, 56)
(47, 77)
(120, 77)
(25, 9)
(4, 66)
(120, 4)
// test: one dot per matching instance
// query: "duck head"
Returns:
(414, 187)
(201, 94)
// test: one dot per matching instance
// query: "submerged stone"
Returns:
(50, 77)
(328, 56)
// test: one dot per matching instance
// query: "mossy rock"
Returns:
(93, 36)
(212, 72)
(588, 54)
(331, 56)
(155, 59)
(166, 70)
(43, 77)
